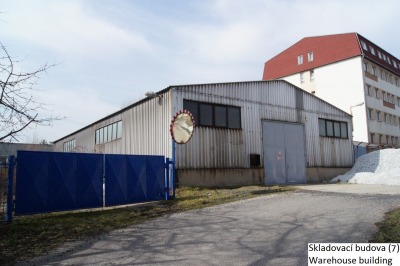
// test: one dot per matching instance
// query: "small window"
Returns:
(310, 56)
(312, 75)
(372, 50)
(378, 115)
(368, 89)
(216, 115)
(330, 128)
(220, 116)
(364, 46)
(372, 135)
(379, 55)
(365, 66)
(395, 64)
(377, 93)
(234, 118)
(109, 133)
(69, 145)
(336, 127)
(373, 71)
(322, 127)
(302, 77)
(369, 113)
(343, 130)
(206, 114)
(300, 60)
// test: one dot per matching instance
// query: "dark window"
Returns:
(234, 117)
(330, 128)
(220, 116)
(216, 115)
(322, 127)
(206, 114)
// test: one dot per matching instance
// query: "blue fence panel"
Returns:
(155, 177)
(116, 184)
(53, 181)
(90, 181)
(32, 182)
(134, 178)
(62, 181)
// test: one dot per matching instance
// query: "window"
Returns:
(109, 133)
(395, 64)
(310, 56)
(376, 93)
(364, 46)
(368, 90)
(398, 102)
(369, 113)
(374, 71)
(372, 135)
(312, 75)
(379, 54)
(388, 60)
(302, 77)
(378, 115)
(365, 66)
(69, 145)
(386, 117)
(330, 128)
(214, 115)
(300, 60)
(372, 50)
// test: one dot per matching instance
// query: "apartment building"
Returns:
(352, 73)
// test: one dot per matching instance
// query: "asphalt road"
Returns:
(269, 230)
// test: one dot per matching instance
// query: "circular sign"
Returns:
(182, 127)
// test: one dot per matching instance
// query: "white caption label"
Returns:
(354, 254)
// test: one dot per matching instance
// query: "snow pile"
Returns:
(378, 167)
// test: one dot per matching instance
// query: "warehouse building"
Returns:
(261, 132)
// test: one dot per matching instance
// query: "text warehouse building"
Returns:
(262, 132)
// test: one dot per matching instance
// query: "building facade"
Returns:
(352, 73)
(262, 132)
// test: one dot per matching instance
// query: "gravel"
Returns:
(378, 167)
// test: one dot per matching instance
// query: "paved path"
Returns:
(269, 230)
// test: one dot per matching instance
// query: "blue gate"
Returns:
(53, 181)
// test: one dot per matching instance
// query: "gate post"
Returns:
(10, 186)
(166, 181)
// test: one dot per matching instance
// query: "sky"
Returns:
(109, 53)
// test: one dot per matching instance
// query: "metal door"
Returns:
(284, 153)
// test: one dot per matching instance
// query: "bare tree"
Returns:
(18, 107)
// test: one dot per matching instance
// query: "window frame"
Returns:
(333, 128)
(231, 115)
(108, 133)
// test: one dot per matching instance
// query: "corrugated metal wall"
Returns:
(146, 126)
(272, 100)
(145, 130)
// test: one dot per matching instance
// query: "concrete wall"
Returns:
(247, 176)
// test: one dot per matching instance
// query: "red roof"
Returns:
(326, 50)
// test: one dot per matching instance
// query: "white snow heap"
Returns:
(378, 167)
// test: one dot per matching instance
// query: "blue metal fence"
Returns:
(51, 181)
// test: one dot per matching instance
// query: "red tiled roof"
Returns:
(326, 49)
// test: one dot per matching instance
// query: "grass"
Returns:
(29, 236)
(388, 229)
